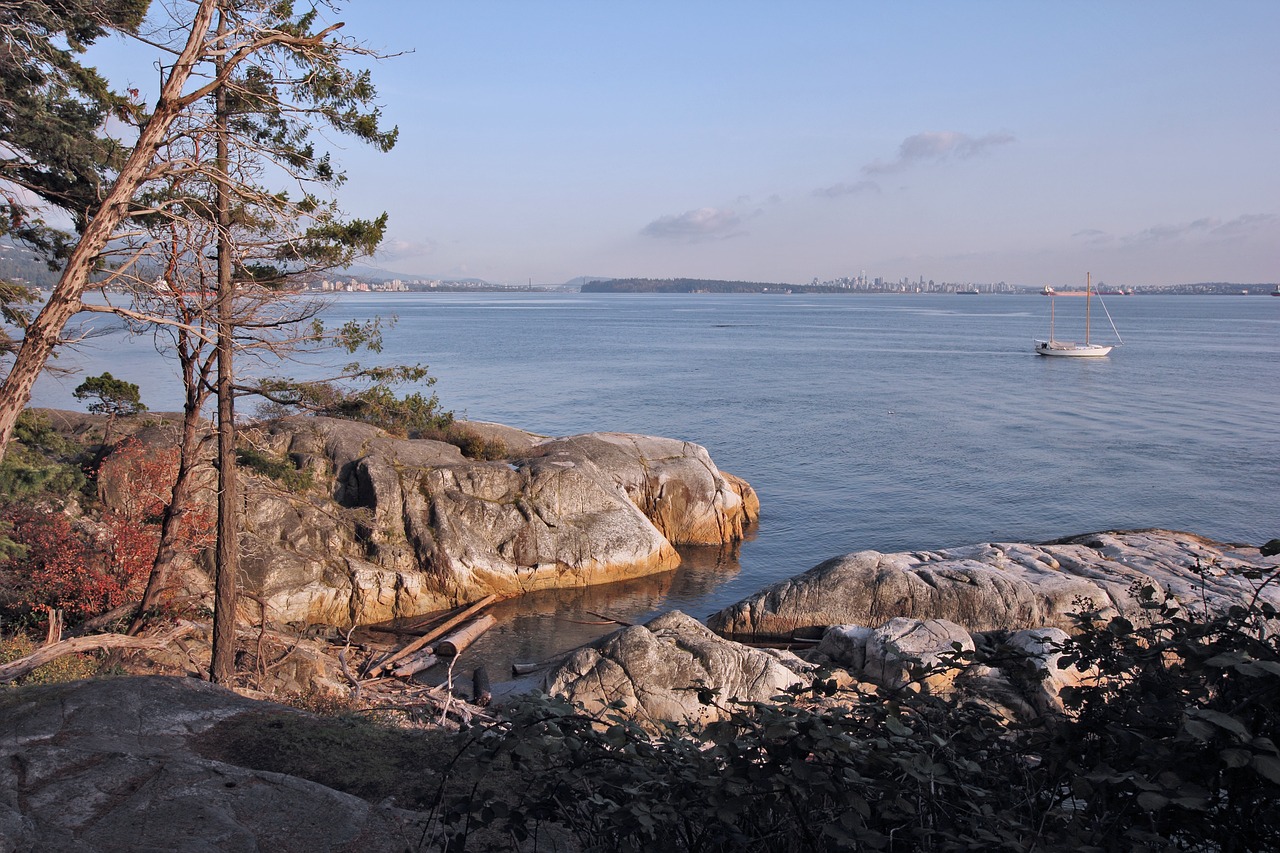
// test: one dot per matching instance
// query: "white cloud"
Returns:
(843, 189)
(705, 223)
(398, 248)
(937, 146)
(1205, 227)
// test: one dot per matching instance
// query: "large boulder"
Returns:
(112, 765)
(1004, 585)
(674, 483)
(345, 524)
(663, 670)
(922, 652)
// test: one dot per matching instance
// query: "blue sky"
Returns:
(1024, 142)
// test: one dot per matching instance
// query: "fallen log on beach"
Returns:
(481, 691)
(455, 643)
(415, 664)
(93, 642)
(433, 634)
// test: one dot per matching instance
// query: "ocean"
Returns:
(886, 422)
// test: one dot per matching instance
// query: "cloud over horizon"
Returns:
(705, 223)
(397, 249)
(937, 146)
(1207, 226)
(843, 189)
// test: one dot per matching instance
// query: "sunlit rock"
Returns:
(1004, 585)
(671, 669)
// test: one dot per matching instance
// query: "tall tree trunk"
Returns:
(44, 332)
(171, 524)
(227, 552)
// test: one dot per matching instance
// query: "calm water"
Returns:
(885, 422)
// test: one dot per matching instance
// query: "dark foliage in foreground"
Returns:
(1173, 749)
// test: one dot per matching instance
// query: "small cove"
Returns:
(885, 422)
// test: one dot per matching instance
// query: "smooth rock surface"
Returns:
(1009, 586)
(395, 527)
(657, 670)
(108, 765)
(901, 645)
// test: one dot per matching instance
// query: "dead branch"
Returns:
(95, 642)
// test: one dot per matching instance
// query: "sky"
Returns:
(1027, 142)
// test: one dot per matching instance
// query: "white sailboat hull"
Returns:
(1067, 349)
(1070, 349)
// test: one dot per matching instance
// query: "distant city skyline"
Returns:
(977, 142)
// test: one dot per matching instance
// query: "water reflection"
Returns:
(543, 625)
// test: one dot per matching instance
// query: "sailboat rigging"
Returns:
(1071, 349)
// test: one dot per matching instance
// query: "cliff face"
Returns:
(391, 527)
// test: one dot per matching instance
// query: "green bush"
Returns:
(40, 462)
(282, 471)
(67, 668)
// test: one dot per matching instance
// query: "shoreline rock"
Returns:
(1008, 586)
(366, 527)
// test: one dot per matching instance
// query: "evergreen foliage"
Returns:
(41, 463)
(110, 396)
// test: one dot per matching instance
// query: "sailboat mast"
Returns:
(1088, 296)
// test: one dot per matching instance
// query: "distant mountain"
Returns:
(697, 285)
(587, 279)
(20, 265)
(368, 273)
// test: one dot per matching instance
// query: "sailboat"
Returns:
(1071, 349)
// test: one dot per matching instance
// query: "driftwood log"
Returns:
(481, 690)
(415, 664)
(453, 645)
(93, 642)
(433, 634)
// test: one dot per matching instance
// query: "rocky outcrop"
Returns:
(1003, 585)
(674, 483)
(112, 765)
(662, 671)
(1014, 675)
(345, 524)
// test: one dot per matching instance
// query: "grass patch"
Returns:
(346, 752)
(66, 668)
(282, 471)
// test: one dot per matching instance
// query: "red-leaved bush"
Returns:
(84, 576)
(58, 569)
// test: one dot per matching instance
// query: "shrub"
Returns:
(40, 462)
(55, 567)
(472, 445)
(1174, 749)
(281, 470)
(66, 668)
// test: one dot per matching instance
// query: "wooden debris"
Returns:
(453, 645)
(346, 671)
(431, 623)
(785, 645)
(415, 664)
(519, 669)
(417, 644)
(610, 619)
(481, 690)
(93, 642)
